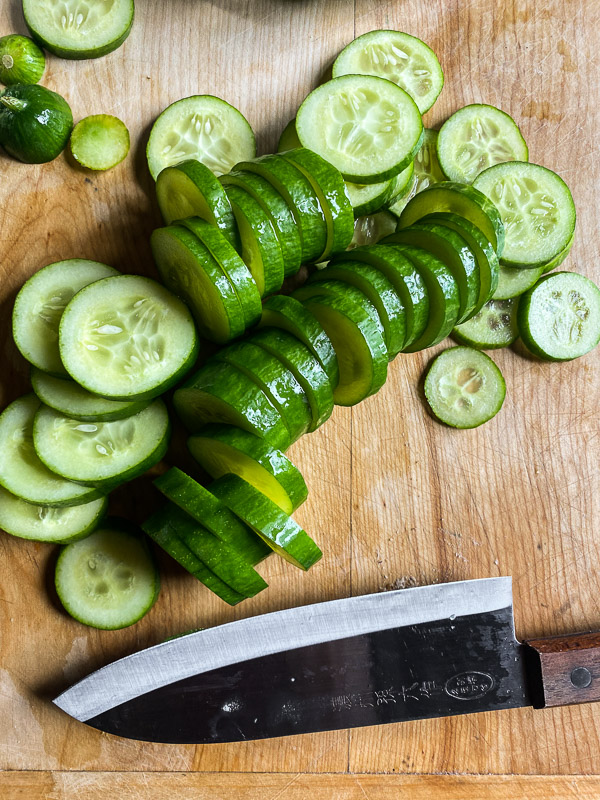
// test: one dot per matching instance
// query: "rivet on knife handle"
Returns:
(570, 668)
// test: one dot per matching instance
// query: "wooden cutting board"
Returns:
(395, 498)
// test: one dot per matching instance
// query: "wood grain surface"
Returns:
(395, 499)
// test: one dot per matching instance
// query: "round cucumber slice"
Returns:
(397, 56)
(367, 127)
(99, 142)
(332, 288)
(513, 281)
(109, 580)
(21, 471)
(289, 138)
(477, 137)
(75, 30)
(127, 338)
(464, 388)
(47, 524)
(223, 449)
(537, 210)
(558, 260)
(40, 304)
(21, 60)
(493, 327)
(427, 171)
(373, 228)
(201, 127)
(101, 454)
(559, 319)
(368, 198)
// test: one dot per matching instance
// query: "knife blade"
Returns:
(410, 654)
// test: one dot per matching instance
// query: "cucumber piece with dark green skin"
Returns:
(21, 60)
(331, 288)
(493, 327)
(369, 198)
(289, 137)
(35, 123)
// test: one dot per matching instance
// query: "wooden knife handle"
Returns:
(569, 668)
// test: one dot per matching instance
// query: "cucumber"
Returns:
(109, 580)
(127, 338)
(47, 524)
(464, 388)
(558, 260)
(72, 30)
(493, 327)
(397, 56)
(21, 60)
(40, 304)
(222, 449)
(101, 454)
(372, 228)
(35, 123)
(277, 529)
(559, 319)
(332, 288)
(289, 138)
(368, 198)
(190, 189)
(367, 127)
(513, 281)
(537, 210)
(21, 471)
(476, 137)
(427, 171)
(99, 142)
(201, 127)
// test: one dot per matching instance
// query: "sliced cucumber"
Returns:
(559, 319)
(476, 137)
(367, 127)
(464, 387)
(427, 171)
(99, 142)
(21, 60)
(71, 29)
(127, 338)
(101, 454)
(109, 580)
(493, 327)
(40, 304)
(202, 127)
(558, 260)
(21, 471)
(332, 288)
(222, 449)
(289, 138)
(372, 228)
(276, 528)
(368, 198)
(47, 524)
(537, 210)
(513, 281)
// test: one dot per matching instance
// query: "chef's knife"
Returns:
(430, 651)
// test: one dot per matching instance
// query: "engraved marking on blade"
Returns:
(469, 685)
(422, 690)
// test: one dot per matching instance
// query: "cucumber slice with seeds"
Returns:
(493, 327)
(513, 281)
(21, 60)
(99, 142)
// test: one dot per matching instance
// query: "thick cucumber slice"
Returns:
(332, 288)
(190, 189)
(367, 127)
(260, 248)
(21, 471)
(72, 400)
(127, 338)
(399, 57)
(99, 142)
(21, 60)
(222, 449)
(109, 580)
(537, 210)
(101, 454)
(219, 392)
(47, 524)
(559, 319)
(427, 171)
(289, 138)
(276, 528)
(289, 314)
(464, 201)
(373, 228)
(202, 127)
(477, 137)
(513, 281)
(558, 260)
(71, 29)
(493, 327)
(40, 304)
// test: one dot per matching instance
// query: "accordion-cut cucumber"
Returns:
(493, 327)
(21, 60)
(99, 142)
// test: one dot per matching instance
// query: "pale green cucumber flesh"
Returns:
(513, 281)
(99, 142)
(493, 327)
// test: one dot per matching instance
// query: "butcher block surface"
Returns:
(396, 499)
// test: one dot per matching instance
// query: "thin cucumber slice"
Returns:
(332, 288)
(99, 142)
(559, 319)
(403, 181)
(260, 248)
(427, 171)
(47, 524)
(21, 60)
(476, 137)
(368, 198)
(73, 30)
(397, 56)
(493, 327)
(101, 454)
(558, 260)
(289, 138)
(190, 189)
(202, 127)
(40, 304)
(513, 281)
(127, 338)
(367, 127)
(21, 471)
(288, 314)
(464, 388)
(223, 449)
(373, 228)
(276, 528)
(537, 210)
(109, 580)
